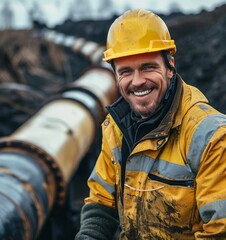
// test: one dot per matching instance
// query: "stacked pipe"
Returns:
(91, 50)
(38, 160)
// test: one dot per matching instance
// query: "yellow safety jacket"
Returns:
(175, 177)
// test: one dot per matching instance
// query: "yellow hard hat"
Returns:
(135, 32)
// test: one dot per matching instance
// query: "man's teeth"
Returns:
(142, 93)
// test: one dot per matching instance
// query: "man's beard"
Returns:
(147, 113)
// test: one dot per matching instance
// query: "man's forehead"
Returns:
(138, 58)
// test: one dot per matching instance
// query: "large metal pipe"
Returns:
(39, 158)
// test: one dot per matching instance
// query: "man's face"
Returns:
(143, 80)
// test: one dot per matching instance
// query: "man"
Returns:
(162, 166)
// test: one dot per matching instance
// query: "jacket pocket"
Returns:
(183, 183)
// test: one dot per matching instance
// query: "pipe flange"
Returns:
(48, 160)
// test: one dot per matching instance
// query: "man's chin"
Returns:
(143, 114)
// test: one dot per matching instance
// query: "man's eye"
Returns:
(124, 72)
(148, 68)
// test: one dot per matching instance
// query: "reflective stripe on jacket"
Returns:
(175, 179)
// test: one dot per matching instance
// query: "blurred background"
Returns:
(53, 91)
(20, 14)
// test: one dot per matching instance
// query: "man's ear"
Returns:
(172, 62)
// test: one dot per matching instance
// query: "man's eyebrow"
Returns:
(149, 64)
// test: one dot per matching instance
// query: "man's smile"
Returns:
(142, 93)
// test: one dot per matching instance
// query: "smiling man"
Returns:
(161, 172)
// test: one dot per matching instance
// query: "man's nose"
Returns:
(138, 80)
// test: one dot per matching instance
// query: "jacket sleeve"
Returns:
(102, 181)
(98, 222)
(211, 188)
(99, 218)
